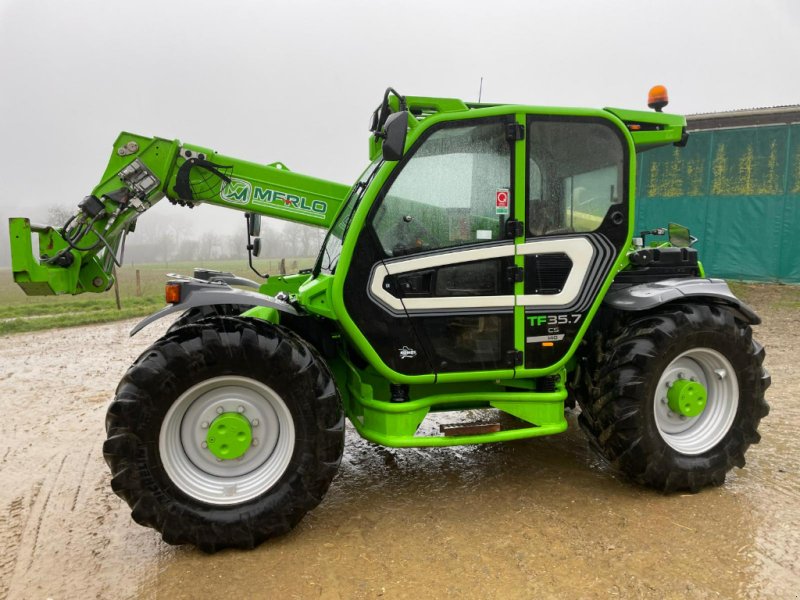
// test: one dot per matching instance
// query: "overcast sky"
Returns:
(296, 81)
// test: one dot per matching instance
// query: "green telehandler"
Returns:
(484, 261)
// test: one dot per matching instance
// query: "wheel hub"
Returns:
(192, 437)
(695, 400)
(229, 436)
(687, 398)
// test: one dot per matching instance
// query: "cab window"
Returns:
(575, 175)
(446, 193)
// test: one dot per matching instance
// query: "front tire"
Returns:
(170, 460)
(633, 416)
(198, 313)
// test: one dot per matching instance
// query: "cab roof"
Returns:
(649, 129)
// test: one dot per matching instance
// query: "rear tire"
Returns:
(626, 378)
(231, 365)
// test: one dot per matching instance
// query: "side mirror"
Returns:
(253, 241)
(679, 235)
(253, 225)
(394, 135)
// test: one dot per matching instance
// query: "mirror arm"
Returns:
(250, 259)
(384, 112)
(400, 99)
(657, 231)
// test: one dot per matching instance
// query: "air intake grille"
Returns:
(546, 273)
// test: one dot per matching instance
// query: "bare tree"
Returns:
(188, 250)
(58, 214)
(234, 245)
(302, 240)
(210, 245)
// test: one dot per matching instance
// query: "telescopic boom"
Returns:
(79, 256)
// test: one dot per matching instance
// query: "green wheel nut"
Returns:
(229, 436)
(687, 398)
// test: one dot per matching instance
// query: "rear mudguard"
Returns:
(645, 296)
(195, 292)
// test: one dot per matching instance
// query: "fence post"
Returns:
(116, 287)
(138, 283)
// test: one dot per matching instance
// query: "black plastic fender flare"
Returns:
(195, 292)
(644, 296)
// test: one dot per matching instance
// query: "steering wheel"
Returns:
(408, 241)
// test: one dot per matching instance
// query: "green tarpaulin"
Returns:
(738, 191)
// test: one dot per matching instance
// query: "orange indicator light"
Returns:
(173, 293)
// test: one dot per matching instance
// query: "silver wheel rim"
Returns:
(196, 471)
(695, 435)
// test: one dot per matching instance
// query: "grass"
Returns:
(42, 309)
(101, 315)
(774, 296)
(20, 313)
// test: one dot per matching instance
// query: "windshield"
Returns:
(332, 247)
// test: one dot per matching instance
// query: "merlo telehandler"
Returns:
(484, 261)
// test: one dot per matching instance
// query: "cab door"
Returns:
(436, 262)
(576, 226)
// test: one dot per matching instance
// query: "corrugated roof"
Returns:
(758, 109)
(745, 117)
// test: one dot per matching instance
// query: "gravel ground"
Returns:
(541, 516)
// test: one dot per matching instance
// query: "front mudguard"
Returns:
(645, 296)
(195, 292)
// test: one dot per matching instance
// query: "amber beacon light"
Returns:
(657, 98)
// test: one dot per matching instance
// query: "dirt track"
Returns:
(541, 516)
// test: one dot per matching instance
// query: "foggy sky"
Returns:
(296, 81)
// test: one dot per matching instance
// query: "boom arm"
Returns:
(79, 257)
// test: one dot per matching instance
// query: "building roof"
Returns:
(746, 117)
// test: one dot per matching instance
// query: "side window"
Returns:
(575, 174)
(446, 194)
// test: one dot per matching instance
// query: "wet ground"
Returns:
(538, 517)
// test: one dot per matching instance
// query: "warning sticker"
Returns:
(501, 202)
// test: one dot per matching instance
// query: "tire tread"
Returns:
(156, 377)
(614, 392)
